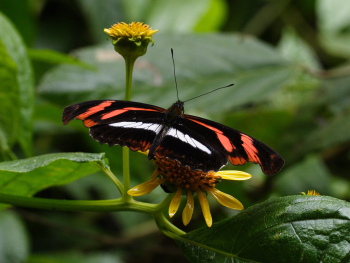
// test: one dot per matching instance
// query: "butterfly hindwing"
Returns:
(238, 147)
(125, 123)
(192, 147)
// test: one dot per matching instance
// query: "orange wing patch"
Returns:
(250, 148)
(94, 110)
(120, 111)
(225, 141)
(237, 160)
(89, 123)
(113, 113)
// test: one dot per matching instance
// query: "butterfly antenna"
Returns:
(177, 90)
(209, 92)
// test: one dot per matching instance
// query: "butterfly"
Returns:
(196, 142)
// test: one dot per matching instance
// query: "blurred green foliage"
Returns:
(289, 61)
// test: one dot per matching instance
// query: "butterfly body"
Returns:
(197, 142)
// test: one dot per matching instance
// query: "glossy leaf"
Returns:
(287, 229)
(28, 176)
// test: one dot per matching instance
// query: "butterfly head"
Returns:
(175, 110)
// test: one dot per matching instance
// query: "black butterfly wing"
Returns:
(191, 147)
(118, 122)
(208, 145)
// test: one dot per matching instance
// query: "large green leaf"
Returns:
(28, 176)
(9, 98)
(203, 62)
(287, 229)
(24, 77)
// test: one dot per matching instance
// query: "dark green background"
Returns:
(289, 61)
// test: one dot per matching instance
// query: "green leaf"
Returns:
(54, 57)
(333, 15)
(214, 18)
(334, 23)
(9, 96)
(14, 245)
(24, 77)
(295, 49)
(203, 62)
(28, 176)
(164, 15)
(76, 257)
(112, 13)
(286, 229)
(293, 179)
(334, 134)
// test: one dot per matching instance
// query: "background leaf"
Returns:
(24, 77)
(257, 70)
(14, 244)
(9, 96)
(287, 229)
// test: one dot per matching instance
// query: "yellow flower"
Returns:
(174, 177)
(131, 39)
(311, 192)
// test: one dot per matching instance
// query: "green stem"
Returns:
(126, 174)
(77, 205)
(129, 66)
(166, 227)
(111, 175)
(164, 204)
(112, 205)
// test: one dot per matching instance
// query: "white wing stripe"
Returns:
(156, 128)
(186, 138)
(137, 125)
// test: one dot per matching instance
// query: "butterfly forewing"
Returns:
(124, 123)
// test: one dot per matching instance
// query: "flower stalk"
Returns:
(130, 41)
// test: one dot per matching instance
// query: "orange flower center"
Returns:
(185, 177)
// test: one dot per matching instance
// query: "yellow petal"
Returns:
(146, 187)
(226, 199)
(145, 152)
(175, 202)
(234, 175)
(311, 192)
(188, 210)
(205, 208)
